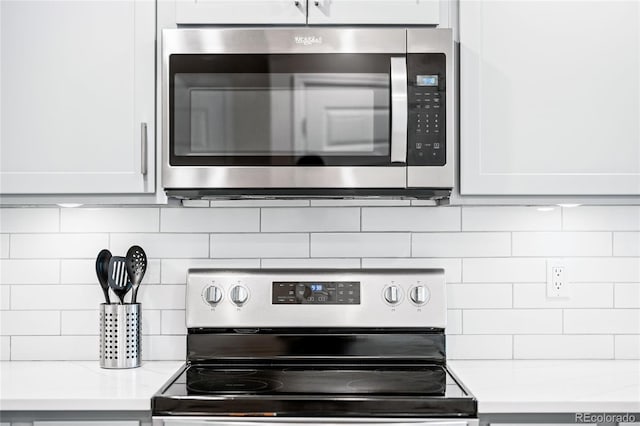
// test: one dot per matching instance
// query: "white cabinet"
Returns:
(77, 97)
(550, 97)
(241, 12)
(378, 12)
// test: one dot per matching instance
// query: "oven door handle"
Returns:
(399, 110)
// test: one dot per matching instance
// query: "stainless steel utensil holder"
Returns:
(120, 337)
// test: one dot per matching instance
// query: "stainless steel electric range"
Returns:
(285, 347)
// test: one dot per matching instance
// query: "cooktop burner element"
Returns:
(304, 345)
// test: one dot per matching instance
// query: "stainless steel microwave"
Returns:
(308, 112)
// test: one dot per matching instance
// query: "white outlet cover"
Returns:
(553, 292)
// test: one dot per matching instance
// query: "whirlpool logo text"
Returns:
(308, 40)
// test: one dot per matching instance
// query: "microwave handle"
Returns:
(399, 110)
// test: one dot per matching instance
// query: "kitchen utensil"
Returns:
(136, 262)
(118, 280)
(102, 271)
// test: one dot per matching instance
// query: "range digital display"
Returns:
(316, 293)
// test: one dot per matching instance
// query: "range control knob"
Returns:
(392, 294)
(213, 295)
(419, 295)
(239, 295)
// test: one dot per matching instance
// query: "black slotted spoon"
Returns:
(118, 280)
(136, 261)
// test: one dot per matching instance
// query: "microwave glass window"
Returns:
(281, 114)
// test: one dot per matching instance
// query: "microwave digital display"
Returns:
(426, 80)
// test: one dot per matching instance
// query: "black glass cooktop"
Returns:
(430, 380)
(277, 390)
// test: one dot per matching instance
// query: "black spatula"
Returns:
(118, 279)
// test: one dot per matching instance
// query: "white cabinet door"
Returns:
(550, 97)
(381, 12)
(241, 11)
(77, 84)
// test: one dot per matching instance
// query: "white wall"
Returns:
(495, 260)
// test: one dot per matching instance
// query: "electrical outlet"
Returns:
(557, 283)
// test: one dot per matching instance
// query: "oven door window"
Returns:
(280, 110)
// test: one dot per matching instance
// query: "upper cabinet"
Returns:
(78, 97)
(378, 12)
(550, 97)
(241, 12)
(358, 12)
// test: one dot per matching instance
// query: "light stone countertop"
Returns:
(499, 386)
(80, 385)
(566, 386)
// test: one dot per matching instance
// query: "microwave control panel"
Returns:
(427, 105)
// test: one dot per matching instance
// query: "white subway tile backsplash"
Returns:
(163, 348)
(626, 244)
(510, 219)
(479, 347)
(319, 263)
(29, 323)
(310, 219)
(62, 297)
(467, 244)
(33, 220)
(54, 348)
(23, 271)
(452, 267)
(83, 271)
(627, 295)
(5, 348)
(603, 269)
(57, 246)
(601, 218)
(504, 270)
(174, 271)
(210, 220)
(627, 346)
(173, 322)
(497, 305)
(5, 297)
(86, 323)
(128, 219)
(414, 219)
(474, 296)
(162, 296)
(516, 321)
(361, 245)
(4, 245)
(562, 243)
(454, 322)
(163, 245)
(591, 295)
(563, 347)
(602, 321)
(259, 245)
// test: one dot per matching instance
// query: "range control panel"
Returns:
(316, 292)
(427, 104)
(316, 298)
